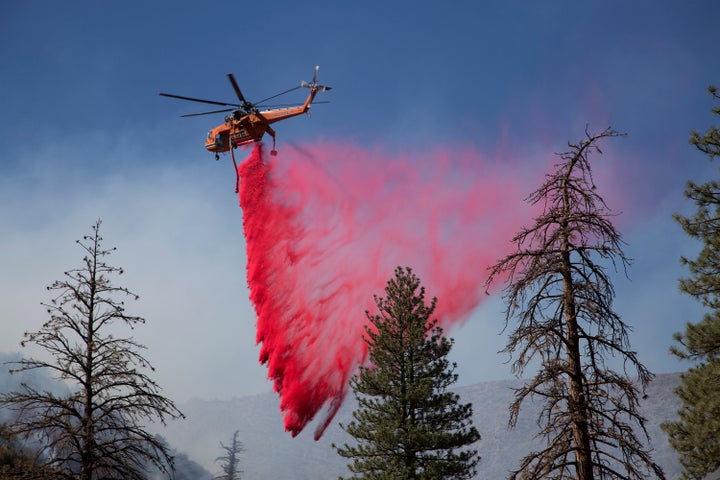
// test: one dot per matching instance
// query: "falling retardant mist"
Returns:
(325, 227)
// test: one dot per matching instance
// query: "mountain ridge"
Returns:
(270, 452)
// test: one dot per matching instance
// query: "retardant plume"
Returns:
(327, 224)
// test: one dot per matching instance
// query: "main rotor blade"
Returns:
(236, 88)
(276, 95)
(286, 105)
(208, 113)
(211, 102)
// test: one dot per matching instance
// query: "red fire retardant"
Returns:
(327, 224)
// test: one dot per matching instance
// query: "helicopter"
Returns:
(247, 123)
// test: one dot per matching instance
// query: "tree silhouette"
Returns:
(696, 434)
(562, 300)
(408, 425)
(97, 431)
(230, 463)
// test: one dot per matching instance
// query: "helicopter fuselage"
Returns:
(251, 127)
(235, 133)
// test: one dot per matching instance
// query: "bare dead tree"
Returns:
(561, 296)
(98, 430)
(230, 462)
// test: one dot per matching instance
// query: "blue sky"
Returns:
(85, 135)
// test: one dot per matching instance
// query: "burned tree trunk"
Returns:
(561, 296)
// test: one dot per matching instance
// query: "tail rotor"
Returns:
(314, 85)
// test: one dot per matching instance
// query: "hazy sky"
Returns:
(84, 135)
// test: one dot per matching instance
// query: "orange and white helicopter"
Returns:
(247, 123)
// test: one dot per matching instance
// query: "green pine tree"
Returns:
(408, 425)
(696, 434)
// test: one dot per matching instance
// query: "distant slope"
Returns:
(272, 453)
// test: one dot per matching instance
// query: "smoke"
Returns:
(327, 224)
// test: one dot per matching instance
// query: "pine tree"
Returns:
(98, 430)
(408, 425)
(561, 295)
(696, 434)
